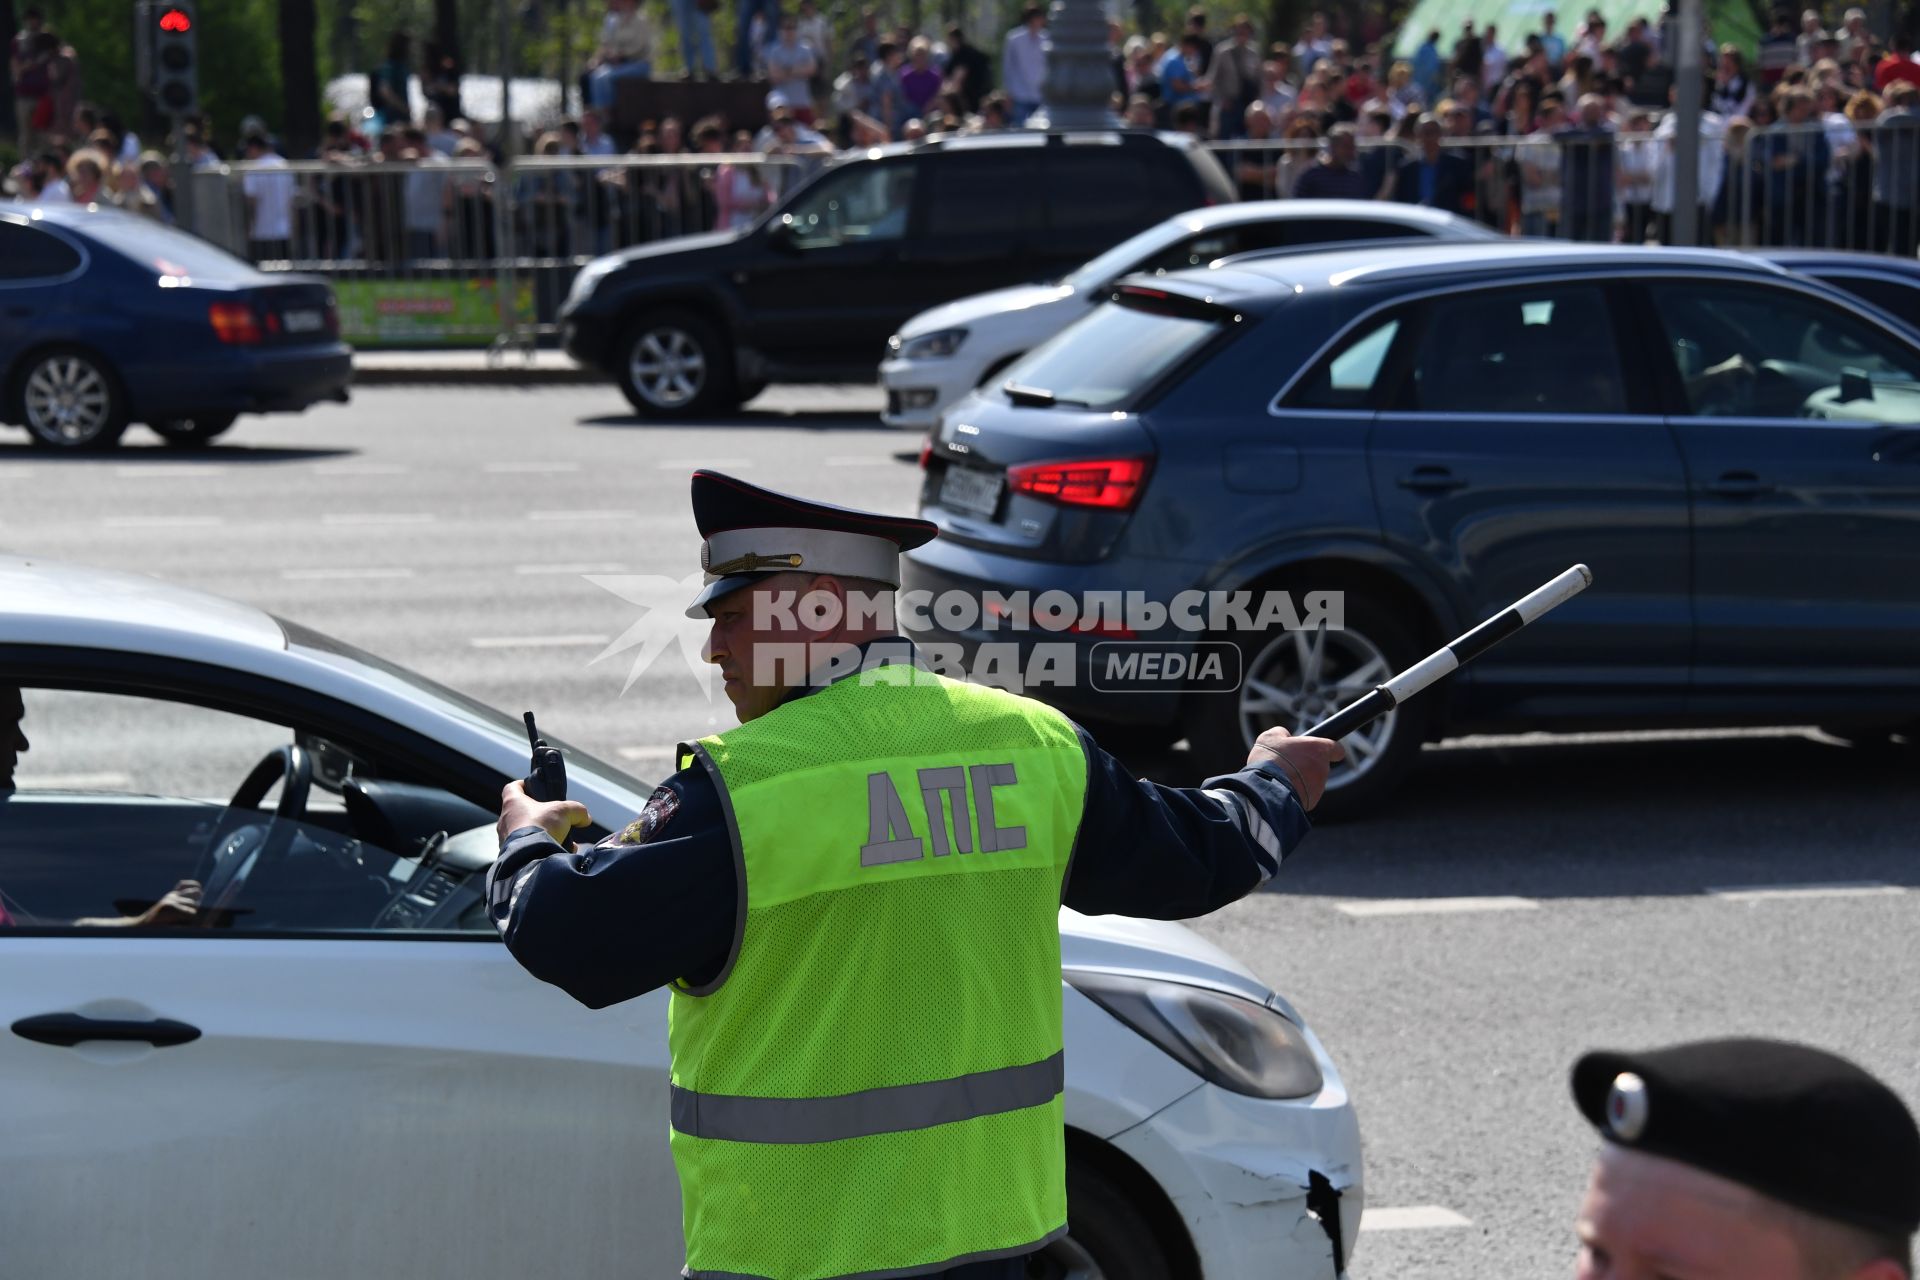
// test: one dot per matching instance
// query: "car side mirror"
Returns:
(782, 236)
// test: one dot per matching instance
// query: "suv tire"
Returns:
(676, 364)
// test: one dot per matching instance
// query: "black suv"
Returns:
(698, 325)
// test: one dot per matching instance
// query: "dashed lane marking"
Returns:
(1433, 906)
(189, 470)
(1773, 892)
(529, 468)
(357, 469)
(71, 781)
(1413, 1217)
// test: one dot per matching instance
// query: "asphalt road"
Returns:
(1524, 900)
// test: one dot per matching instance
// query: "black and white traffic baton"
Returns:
(1456, 654)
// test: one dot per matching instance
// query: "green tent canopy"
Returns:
(1728, 21)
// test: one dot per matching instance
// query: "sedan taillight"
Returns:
(234, 323)
(1113, 484)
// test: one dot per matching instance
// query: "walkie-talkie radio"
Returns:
(548, 778)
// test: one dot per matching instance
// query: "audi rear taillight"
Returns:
(1112, 484)
(234, 323)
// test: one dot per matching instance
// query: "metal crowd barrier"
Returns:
(461, 251)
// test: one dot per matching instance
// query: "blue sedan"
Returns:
(108, 318)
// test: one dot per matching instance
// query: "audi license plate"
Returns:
(304, 321)
(967, 490)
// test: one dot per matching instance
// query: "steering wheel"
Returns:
(241, 848)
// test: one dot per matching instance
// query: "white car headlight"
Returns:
(1234, 1043)
(932, 346)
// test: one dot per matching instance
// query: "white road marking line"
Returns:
(71, 781)
(534, 570)
(535, 642)
(162, 522)
(861, 460)
(190, 469)
(377, 517)
(1768, 893)
(529, 468)
(1433, 906)
(342, 575)
(1413, 1217)
(357, 469)
(580, 515)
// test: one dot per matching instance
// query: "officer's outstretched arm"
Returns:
(1169, 853)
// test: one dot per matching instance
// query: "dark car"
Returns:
(695, 326)
(1889, 283)
(1732, 448)
(108, 318)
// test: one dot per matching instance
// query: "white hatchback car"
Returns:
(333, 1068)
(942, 354)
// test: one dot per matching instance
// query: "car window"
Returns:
(1896, 299)
(115, 812)
(857, 204)
(1346, 379)
(1755, 351)
(1115, 352)
(28, 253)
(967, 196)
(1543, 349)
(1094, 187)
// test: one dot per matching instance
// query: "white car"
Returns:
(333, 1068)
(942, 354)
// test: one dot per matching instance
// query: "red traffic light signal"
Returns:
(176, 21)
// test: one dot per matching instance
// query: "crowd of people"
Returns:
(1813, 140)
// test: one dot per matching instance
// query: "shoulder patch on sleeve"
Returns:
(661, 806)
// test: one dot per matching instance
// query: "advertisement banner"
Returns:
(457, 311)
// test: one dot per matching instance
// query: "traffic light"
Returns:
(171, 68)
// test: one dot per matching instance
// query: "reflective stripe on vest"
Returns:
(893, 1109)
(901, 1273)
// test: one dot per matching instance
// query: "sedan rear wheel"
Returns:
(70, 399)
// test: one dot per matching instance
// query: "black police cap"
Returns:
(1801, 1125)
(748, 532)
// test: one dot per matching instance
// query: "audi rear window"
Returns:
(1108, 358)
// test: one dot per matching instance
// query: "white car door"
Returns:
(342, 1098)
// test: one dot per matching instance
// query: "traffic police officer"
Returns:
(1745, 1160)
(854, 898)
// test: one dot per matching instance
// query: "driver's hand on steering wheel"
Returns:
(180, 905)
(557, 818)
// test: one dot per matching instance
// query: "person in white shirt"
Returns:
(269, 192)
(1023, 63)
(1493, 61)
(1713, 170)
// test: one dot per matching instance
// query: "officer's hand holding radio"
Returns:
(540, 800)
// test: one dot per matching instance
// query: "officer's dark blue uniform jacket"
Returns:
(620, 919)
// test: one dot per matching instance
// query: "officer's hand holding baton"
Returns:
(1306, 759)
